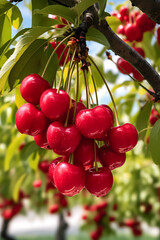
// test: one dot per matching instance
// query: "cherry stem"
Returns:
(87, 89)
(94, 84)
(145, 129)
(109, 91)
(151, 93)
(54, 52)
(65, 62)
(91, 98)
(95, 157)
(66, 122)
(70, 78)
(77, 91)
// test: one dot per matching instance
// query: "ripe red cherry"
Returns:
(80, 106)
(37, 183)
(121, 29)
(7, 213)
(84, 153)
(124, 66)
(16, 208)
(52, 167)
(54, 208)
(54, 104)
(137, 76)
(99, 183)
(144, 23)
(123, 138)
(154, 116)
(29, 120)
(69, 179)
(137, 232)
(32, 88)
(132, 32)
(59, 52)
(132, 223)
(41, 140)
(123, 11)
(158, 35)
(44, 166)
(63, 140)
(95, 122)
(140, 51)
(111, 159)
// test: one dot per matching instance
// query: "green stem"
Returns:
(87, 89)
(109, 91)
(70, 78)
(77, 91)
(54, 52)
(66, 122)
(145, 129)
(94, 84)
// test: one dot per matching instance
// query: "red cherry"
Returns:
(99, 183)
(54, 104)
(132, 223)
(16, 208)
(41, 140)
(111, 159)
(29, 120)
(121, 29)
(102, 205)
(84, 216)
(52, 167)
(132, 32)
(62, 19)
(137, 232)
(144, 23)
(84, 153)
(7, 213)
(154, 116)
(95, 122)
(59, 52)
(44, 166)
(32, 88)
(158, 35)
(54, 208)
(124, 66)
(123, 11)
(37, 183)
(63, 140)
(137, 76)
(112, 219)
(123, 138)
(140, 51)
(114, 13)
(80, 106)
(69, 179)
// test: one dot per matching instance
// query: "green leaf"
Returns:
(82, 6)
(28, 149)
(20, 48)
(58, 10)
(102, 5)
(11, 150)
(36, 18)
(113, 22)
(154, 141)
(15, 16)
(34, 160)
(149, 49)
(17, 187)
(4, 6)
(5, 29)
(95, 35)
(29, 62)
(111, 77)
(143, 119)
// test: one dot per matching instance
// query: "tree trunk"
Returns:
(4, 232)
(61, 232)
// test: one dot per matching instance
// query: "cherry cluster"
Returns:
(71, 130)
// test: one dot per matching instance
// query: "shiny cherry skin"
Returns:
(121, 29)
(32, 88)
(7, 213)
(63, 140)
(137, 75)
(99, 183)
(41, 140)
(124, 66)
(69, 179)
(123, 138)
(144, 23)
(84, 154)
(132, 32)
(52, 167)
(44, 166)
(29, 120)
(95, 122)
(111, 159)
(54, 104)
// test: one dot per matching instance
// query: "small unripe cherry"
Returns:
(37, 183)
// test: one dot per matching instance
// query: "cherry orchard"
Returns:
(85, 136)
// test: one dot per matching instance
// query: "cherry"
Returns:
(140, 51)
(16, 208)
(37, 183)
(41, 140)
(158, 35)
(59, 52)
(121, 29)
(7, 213)
(54, 208)
(111, 159)
(101, 205)
(114, 13)
(84, 154)
(52, 167)
(124, 66)
(95, 122)
(29, 120)
(80, 106)
(144, 23)
(63, 140)
(123, 138)
(132, 223)
(137, 76)
(32, 88)
(112, 219)
(62, 19)
(44, 166)
(132, 32)
(154, 116)
(137, 232)
(99, 183)
(54, 104)
(123, 11)
(69, 179)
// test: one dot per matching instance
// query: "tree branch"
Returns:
(149, 7)
(130, 55)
